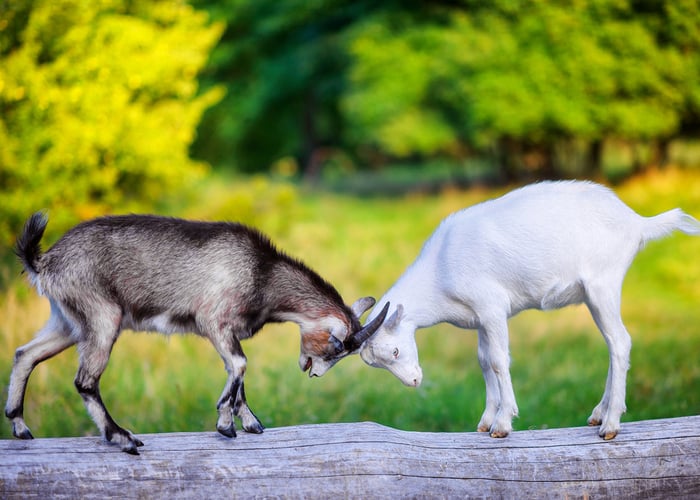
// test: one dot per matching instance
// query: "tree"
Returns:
(536, 85)
(515, 79)
(284, 65)
(98, 105)
(676, 27)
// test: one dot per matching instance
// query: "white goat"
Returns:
(543, 246)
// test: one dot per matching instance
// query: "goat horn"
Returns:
(354, 341)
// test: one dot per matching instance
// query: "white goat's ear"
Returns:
(361, 305)
(395, 318)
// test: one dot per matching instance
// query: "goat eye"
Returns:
(396, 352)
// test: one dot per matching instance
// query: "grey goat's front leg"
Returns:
(232, 400)
(248, 419)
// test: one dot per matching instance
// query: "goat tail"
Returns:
(664, 224)
(28, 246)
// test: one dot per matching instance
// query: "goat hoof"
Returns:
(138, 442)
(483, 428)
(594, 421)
(25, 434)
(229, 431)
(131, 449)
(22, 433)
(256, 428)
(498, 434)
(609, 435)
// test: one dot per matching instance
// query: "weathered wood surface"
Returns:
(651, 459)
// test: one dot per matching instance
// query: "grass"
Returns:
(559, 360)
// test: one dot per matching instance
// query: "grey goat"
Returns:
(220, 280)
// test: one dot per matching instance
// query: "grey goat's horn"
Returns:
(355, 341)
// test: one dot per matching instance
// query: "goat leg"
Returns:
(249, 421)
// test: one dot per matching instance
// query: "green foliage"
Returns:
(539, 86)
(556, 70)
(99, 103)
(283, 65)
(393, 76)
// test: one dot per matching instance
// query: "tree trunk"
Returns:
(651, 459)
(310, 164)
(595, 161)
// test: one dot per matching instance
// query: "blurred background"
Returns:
(346, 130)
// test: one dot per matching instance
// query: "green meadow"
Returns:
(559, 360)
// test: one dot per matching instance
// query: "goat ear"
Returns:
(354, 341)
(361, 305)
(395, 318)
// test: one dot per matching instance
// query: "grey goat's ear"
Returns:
(361, 305)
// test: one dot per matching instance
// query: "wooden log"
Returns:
(650, 459)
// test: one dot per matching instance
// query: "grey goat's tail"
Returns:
(667, 222)
(28, 246)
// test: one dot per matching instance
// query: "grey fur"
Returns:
(222, 281)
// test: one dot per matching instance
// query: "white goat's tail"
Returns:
(664, 224)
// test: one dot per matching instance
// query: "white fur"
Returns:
(543, 246)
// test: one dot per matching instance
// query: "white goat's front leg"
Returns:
(493, 395)
(605, 309)
(498, 358)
